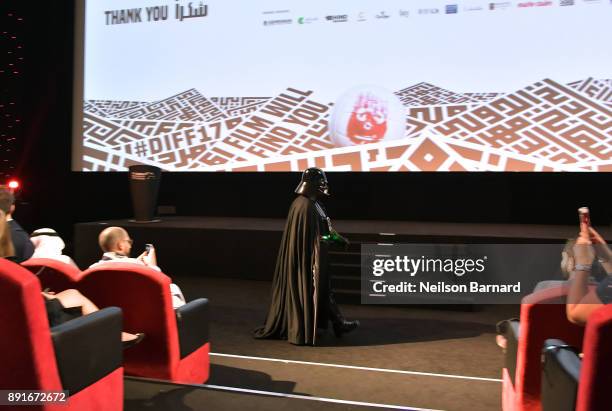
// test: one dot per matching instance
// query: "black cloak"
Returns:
(300, 285)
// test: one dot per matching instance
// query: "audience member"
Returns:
(70, 304)
(6, 245)
(21, 241)
(48, 244)
(567, 269)
(582, 301)
(570, 263)
(63, 306)
(116, 244)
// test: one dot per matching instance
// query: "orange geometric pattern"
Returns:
(545, 126)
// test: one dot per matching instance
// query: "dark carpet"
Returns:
(153, 396)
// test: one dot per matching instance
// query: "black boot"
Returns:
(344, 326)
(340, 324)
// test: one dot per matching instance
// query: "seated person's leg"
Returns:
(73, 298)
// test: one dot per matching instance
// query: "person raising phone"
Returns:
(582, 301)
(116, 244)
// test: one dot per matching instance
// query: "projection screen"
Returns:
(346, 85)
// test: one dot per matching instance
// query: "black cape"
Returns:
(299, 286)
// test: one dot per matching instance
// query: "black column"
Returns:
(144, 186)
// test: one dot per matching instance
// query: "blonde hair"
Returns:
(6, 244)
(567, 258)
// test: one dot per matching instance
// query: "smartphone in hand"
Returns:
(585, 220)
(148, 248)
(584, 216)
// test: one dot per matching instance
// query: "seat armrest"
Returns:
(88, 348)
(560, 375)
(510, 330)
(192, 323)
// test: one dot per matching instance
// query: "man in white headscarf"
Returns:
(48, 244)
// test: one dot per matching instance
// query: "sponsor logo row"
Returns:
(447, 9)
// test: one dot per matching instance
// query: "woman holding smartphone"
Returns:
(582, 301)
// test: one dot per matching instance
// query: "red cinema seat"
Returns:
(542, 317)
(82, 355)
(596, 371)
(53, 274)
(176, 345)
(570, 383)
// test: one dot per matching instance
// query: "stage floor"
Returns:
(400, 357)
(247, 247)
(410, 228)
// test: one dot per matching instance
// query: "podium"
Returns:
(144, 187)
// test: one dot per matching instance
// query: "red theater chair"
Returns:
(542, 317)
(53, 274)
(176, 345)
(82, 355)
(569, 382)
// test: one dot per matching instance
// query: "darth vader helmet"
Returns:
(313, 182)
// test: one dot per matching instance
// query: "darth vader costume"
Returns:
(302, 300)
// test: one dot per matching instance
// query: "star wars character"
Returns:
(302, 300)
